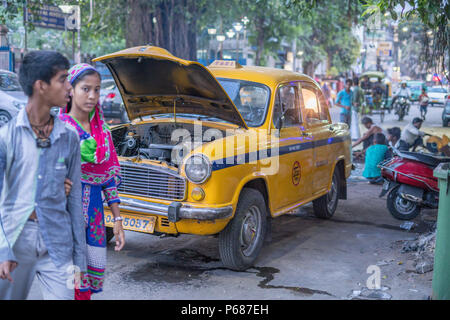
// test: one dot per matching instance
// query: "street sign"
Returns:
(384, 49)
(73, 18)
(48, 17)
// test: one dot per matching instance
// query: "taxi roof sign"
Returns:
(230, 64)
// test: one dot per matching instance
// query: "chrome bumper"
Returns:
(175, 211)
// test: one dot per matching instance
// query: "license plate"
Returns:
(133, 222)
(386, 185)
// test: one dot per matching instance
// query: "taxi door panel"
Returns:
(292, 182)
(319, 126)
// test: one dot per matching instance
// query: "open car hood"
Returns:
(153, 81)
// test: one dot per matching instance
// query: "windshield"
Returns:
(250, 98)
(440, 90)
(9, 82)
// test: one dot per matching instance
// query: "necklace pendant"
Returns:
(43, 143)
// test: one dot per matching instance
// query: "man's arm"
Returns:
(7, 259)
(364, 137)
(74, 207)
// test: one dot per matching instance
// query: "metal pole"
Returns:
(237, 46)
(73, 46)
(25, 19)
(78, 56)
(441, 274)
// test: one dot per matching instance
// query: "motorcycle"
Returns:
(401, 107)
(409, 180)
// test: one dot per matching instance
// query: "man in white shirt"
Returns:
(412, 136)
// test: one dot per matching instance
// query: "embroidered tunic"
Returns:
(97, 180)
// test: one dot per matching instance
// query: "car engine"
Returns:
(167, 142)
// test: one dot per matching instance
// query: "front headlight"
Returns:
(19, 105)
(197, 168)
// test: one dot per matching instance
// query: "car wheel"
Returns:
(109, 234)
(325, 206)
(400, 208)
(445, 123)
(242, 239)
(4, 117)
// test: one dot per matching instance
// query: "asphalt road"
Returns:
(308, 258)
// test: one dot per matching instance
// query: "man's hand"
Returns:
(78, 279)
(119, 235)
(6, 268)
(67, 186)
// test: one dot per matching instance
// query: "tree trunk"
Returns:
(172, 31)
(139, 24)
(259, 41)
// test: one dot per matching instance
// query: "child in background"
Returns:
(374, 155)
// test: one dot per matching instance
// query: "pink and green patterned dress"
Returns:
(100, 178)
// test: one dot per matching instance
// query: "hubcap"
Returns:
(404, 206)
(332, 195)
(251, 230)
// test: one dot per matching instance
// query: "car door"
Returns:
(317, 122)
(292, 182)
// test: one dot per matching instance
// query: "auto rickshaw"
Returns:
(377, 93)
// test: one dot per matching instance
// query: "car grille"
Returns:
(146, 181)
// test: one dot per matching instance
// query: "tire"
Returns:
(109, 234)
(325, 206)
(400, 208)
(4, 117)
(445, 123)
(242, 239)
(401, 114)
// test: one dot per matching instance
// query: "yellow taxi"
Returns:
(223, 149)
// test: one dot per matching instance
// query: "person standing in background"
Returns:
(344, 101)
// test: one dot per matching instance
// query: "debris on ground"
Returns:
(371, 294)
(408, 225)
(423, 248)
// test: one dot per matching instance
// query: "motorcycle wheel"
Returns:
(401, 114)
(400, 208)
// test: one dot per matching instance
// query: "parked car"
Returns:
(437, 95)
(112, 105)
(415, 86)
(446, 113)
(12, 97)
(222, 150)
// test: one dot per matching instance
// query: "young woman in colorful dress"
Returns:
(99, 173)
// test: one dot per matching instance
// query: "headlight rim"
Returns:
(208, 164)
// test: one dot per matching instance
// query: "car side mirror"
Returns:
(280, 120)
